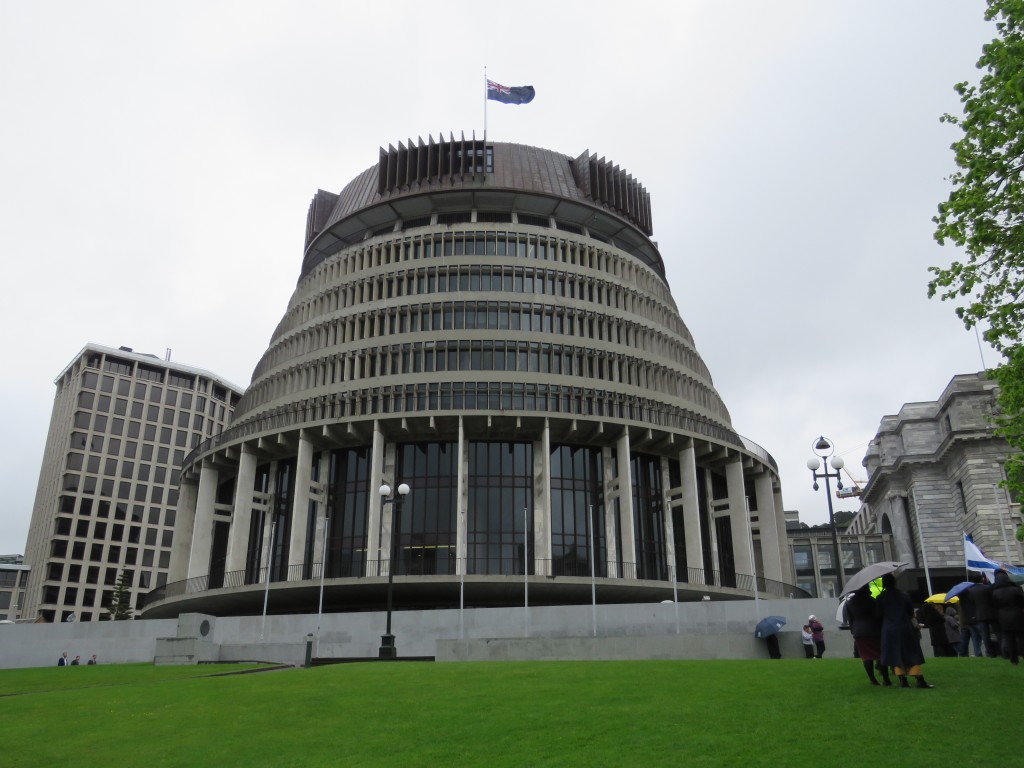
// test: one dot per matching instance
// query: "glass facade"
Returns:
(500, 509)
(427, 531)
(577, 511)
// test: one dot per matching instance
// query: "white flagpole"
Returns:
(323, 569)
(485, 103)
(593, 574)
(526, 573)
(266, 592)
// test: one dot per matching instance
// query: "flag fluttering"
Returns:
(977, 561)
(515, 94)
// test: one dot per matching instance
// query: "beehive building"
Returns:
(491, 325)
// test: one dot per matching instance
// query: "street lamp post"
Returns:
(823, 449)
(387, 640)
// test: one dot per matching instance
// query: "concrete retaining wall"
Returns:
(699, 630)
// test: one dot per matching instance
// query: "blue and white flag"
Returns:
(977, 561)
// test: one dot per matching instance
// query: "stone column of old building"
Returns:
(241, 513)
(300, 509)
(184, 530)
(739, 518)
(202, 536)
(626, 507)
(691, 509)
(540, 544)
(902, 538)
(772, 527)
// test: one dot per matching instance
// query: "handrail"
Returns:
(554, 568)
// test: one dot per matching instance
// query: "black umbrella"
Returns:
(869, 573)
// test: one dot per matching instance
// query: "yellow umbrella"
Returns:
(940, 597)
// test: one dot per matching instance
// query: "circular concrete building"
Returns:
(489, 324)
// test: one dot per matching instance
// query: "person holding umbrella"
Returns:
(767, 629)
(866, 629)
(986, 612)
(901, 648)
(970, 628)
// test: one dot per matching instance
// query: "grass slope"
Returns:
(698, 713)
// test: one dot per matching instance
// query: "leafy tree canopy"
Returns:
(984, 214)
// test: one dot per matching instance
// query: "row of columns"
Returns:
(197, 510)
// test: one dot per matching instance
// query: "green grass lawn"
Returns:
(699, 713)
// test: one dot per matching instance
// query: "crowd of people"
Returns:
(887, 628)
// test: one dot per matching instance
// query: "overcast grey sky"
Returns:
(157, 161)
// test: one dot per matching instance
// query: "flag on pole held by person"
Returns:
(978, 561)
(515, 94)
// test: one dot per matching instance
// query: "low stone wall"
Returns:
(700, 630)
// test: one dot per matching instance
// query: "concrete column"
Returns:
(320, 529)
(462, 501)
(377, 534)
(541, 543)
(241, 514)
(772, 526)
(667, 523)
(184, 526)
(691, 509)
(268, 519)
(739, 519)
(611, 494)
(300, 508)
(202, 536)
(626, 507)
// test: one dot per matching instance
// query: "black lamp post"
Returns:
(387, 640)
(823, 449)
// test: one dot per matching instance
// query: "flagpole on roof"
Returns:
(485, 103)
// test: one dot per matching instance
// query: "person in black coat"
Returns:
(901, 647)
(986, 614)
(1008, 600)
(931, 616)
(866, 628)
(971, 630)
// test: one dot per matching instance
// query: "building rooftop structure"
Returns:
(491, 325)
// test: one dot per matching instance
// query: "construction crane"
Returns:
(850, 491)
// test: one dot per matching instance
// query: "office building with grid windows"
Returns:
(490, 324)
(121, 425)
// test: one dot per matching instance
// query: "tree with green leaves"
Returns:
(984, 216)
(121, 600)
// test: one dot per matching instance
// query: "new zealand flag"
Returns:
(516, 94)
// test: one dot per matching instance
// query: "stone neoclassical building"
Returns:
(934, 473)
(491, 325)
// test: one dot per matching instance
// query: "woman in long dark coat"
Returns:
(901, 647)
(866, 629)
(1008, 599)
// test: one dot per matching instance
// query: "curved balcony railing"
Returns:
(363, 568)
